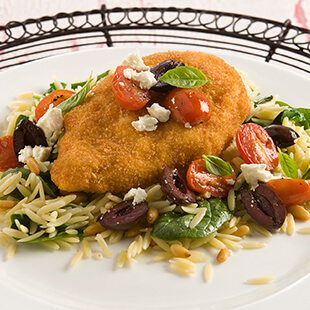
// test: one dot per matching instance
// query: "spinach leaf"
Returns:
(301, 116)
(174, 226)
(22, 218)
(306, 175)
(38, 97)
(60, 235)
(25, 173)
(217, 166)
(282, 104)
(184, 77)
(263, 100)
(25, 220)
(20, 118)
(49, 187)
(296, 116)
(75, 85)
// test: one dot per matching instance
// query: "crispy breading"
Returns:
(101, 151)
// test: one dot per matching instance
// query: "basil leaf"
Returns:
(184, 77)
(288, 165)
(174, 226)
(217, 166)
(76, 99)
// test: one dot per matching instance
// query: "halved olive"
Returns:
(123, 215)
(282, 136)
(264, 206)
(175, 187)
(27, 133)
(159, 70)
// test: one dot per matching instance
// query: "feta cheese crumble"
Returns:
(24, 154)
(149, 122)
(39, 153)
(159, 112)
(137, 194)
(230, 181)
(145, 123)
(52, 124)
(135, 61)
(146, 79)
(253, 173)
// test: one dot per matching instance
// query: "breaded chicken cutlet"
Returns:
(101, 151)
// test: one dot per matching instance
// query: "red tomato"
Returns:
(127, 93)
(256, 146)
(187, 105)
(55, 98)
(201, 181)
(291, 191)
(8, 158)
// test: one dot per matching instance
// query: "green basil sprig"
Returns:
(288, 165)
(76, 99)
(217, 166)
(184, 77)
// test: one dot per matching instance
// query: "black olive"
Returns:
(282, 136)
(123, 215)
(175, 187)
(27, 133)
(159, 70)
(264, 206)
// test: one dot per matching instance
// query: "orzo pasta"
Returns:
(210, 207)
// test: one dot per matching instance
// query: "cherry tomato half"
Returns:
(55, 98)
(291, 191)
(256, 146)
(128, 95)
(8, 158)
(201, 181)
(187, 105)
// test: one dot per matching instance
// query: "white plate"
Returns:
(36, 278)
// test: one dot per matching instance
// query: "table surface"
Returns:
(298, 11)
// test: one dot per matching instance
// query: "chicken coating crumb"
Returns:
(101, 151)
